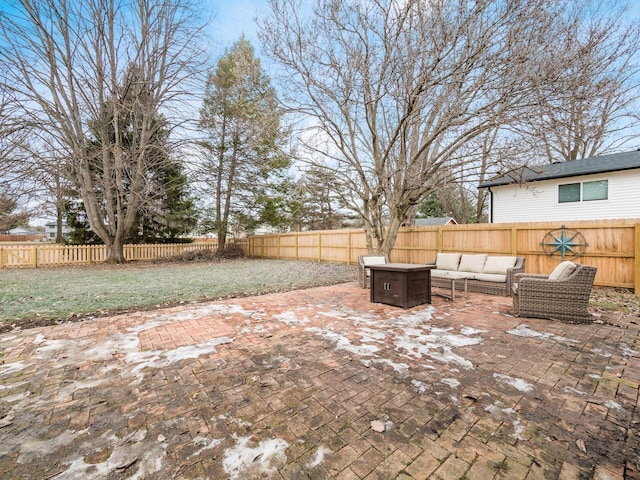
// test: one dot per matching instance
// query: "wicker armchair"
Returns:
(562, 297)
(363, 262)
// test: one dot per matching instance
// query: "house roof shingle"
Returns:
(587, 166)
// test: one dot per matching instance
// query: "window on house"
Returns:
(598, 190)
(585, 191)
(569, 192)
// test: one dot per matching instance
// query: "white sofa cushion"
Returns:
(472, 263)
(440, 273)
(499, 264)
(447, 261)
(459, 275)
(451, 274)
(562, 271)
(491, 277)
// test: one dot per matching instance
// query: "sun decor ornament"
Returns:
(565, 242)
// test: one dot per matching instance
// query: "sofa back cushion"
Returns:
(499, 264)
(563, 271)
(447, 261)
(472, 263)
(373, 260)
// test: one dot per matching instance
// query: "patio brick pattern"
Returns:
(286, 386)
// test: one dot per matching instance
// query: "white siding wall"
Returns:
(538, 201)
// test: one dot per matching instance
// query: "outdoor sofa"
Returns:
(563, 295)
(491, 274)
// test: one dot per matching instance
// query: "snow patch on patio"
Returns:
(436, 344)
(471, 331)
(611, 404)
(628, 351)
(206, 311)
(371, 335)
(251, 459)
(163, 358)
(120, 345)
(401, 368)
(409, 334)
(421, 387)
(31, 447)
(523, 330)
(451, 382)
(575, 391)
(205, 444)
(290, 318)
(343, 343)
(13, 367)
(143, 457)
(516, 383)
(319, 457)
(507, 415)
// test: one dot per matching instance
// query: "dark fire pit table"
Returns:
(401, 284)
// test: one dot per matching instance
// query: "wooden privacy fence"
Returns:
(613, 246)
(31, 256)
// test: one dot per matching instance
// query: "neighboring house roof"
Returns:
(431, 221)
(21, 231)
(587, 166)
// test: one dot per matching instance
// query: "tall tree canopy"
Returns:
(245, 162)
(96, 75)
(397, 90)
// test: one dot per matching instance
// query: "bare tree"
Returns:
(96, 75)
(586, 83)
(396, 89)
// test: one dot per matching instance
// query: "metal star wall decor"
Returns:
(565, 242)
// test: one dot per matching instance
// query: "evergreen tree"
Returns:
(245, 164)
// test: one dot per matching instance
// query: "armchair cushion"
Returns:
(562, 271)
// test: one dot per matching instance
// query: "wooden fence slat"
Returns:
(34, 256)
(614, 246)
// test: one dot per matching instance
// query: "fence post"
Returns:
(297, 245)
(349, 248)
(514, 241)
(34, 257)
(2, 254)
(319, 247)
(637, 260)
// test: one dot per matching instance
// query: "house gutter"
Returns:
(491, 205)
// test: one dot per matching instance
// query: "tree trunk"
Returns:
(59, 217)
(115, 252)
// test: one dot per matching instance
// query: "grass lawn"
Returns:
(35, 296)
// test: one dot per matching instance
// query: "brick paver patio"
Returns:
(321, 383)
